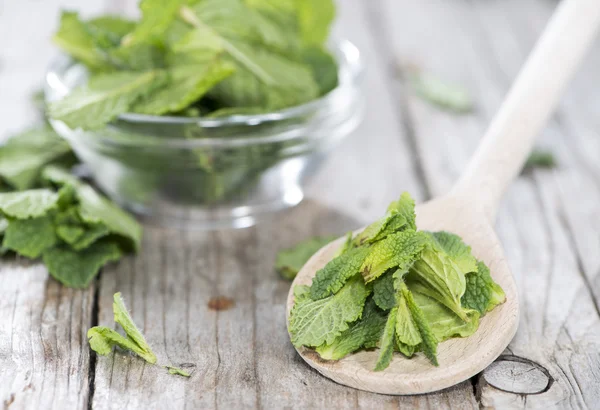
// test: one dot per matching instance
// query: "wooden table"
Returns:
(549, 225)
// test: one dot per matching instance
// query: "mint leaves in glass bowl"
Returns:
(209, 113)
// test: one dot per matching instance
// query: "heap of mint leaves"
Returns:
(197, 57)
(394, 288)
(47, 213)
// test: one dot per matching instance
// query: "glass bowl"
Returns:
(211, 173)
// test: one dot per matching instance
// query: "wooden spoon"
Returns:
(469, 210)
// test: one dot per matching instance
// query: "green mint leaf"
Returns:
(28, 204)
(74, 37)
(178, 371)
(301, 292)
(30, 237)
(76, 269)
(408, 336)
(366, 332)
(157, 16)
(386, 344)
(103, 339)
(399, 250)
(313, 323)
(315, 17)
(104, 97)
(94, 209)
(290, 261)
(436, 275)
(429, 342)
(457, 250)
(186, 85)
(440, 93)
(25, 154)
(109, 30)
(482, 293)
(264, 78)
(443, 322)
(540, 159)
(400, 216)
(70, 233)
(384, 293)
(336, 273)
(123, 318)
(323, 66)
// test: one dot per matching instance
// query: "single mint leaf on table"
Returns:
(102, 339)
(457, 250)
(30, 237)
(366, 332)
(387, 342)
(313, 323)
(104, 97)
(77, 269)
(28, 204)
(441, 93)
(24, 155)
(178, 371)
(540, 159)
(337, 272)
(123, 318)
(482, 293)
(289, 261)
(95, 209)
(399, 250)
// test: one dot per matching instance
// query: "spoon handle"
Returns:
(529, 103)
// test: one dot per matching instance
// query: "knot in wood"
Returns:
(518, 375)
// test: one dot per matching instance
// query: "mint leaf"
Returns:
(290, 261)
(457, 250)
(76, 269)
(334, 275)
(103, 98)
(186, 85)
(443, 322)
(365, 332)
(400, 216)
(384, 293)
(323, 66)
(102, 339)
(123, 318)
(263, 78)
(24, 155)
(441, 93)
(399, 250)
(482, 293)
(315, 17)
(30, 237)
(94, 209)
(429, 342)
(157, 15)
(178, 371)
(74, 37)
(28, 204)
(313, 323)
(408, 336)
(436, 275)
(386, 344)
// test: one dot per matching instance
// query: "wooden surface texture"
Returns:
(549, 225)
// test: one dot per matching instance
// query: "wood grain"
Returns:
(549, 226)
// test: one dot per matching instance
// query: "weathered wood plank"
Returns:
(546, 216)
(43, 348)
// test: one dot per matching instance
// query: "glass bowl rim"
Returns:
(348, 58)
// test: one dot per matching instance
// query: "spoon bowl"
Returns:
(459, 358)
(469, 211)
